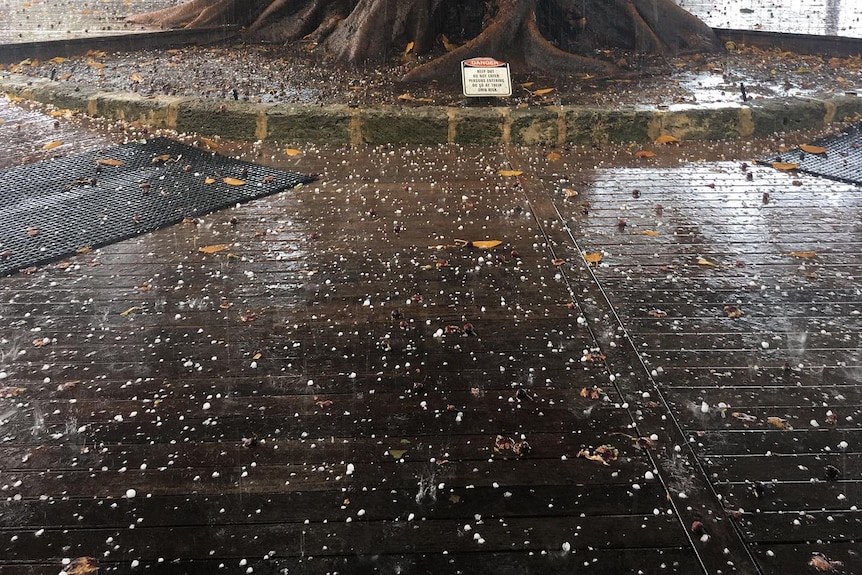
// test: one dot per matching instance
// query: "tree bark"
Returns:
(551, 36)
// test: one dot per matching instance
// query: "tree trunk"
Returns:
(551, 36)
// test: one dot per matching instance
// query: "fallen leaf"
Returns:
(645, 154)
(558, 262)
(527, 84)
(293, 152)
(405, 97)
(486, 244)
(131, 310)
(211, 144)
(109, 162)
(60, 113)
(58, 60)
(409, 48)
(705, 262)
(161, 158)
(666, 139)
(554, 156)
(593, 257)
(449, 46)
(136, 78)
(777, 422)
(82, 566)
(510, 173)
(234, 182)
(570, 193)
(657, 313)
(209, 181)
(651, 233)
(67, 385)
(10, 392)
(821, 563)
(52, 145)
(785, 166)
(732, 311)
(543, 92)
(213, 248)
(603, 454)
(812, 149)
(803, 255)
(743, 417)
(83, 250)
(32, 232)
(397, 453)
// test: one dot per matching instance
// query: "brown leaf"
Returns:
(705, 262)
(666, 139)
(486, 244)
(131, 310)
(209, 181)
(604, 454)
(778, 423)
(10, 392)
(136, 78)
(32, 231)
(812, 149)
(744, 417)
(234, 182)
(554, 156)
(52, 145)
(543, 92)
(570, 193)
(593, 257)
(804, 255)
(821, 563)
(657, 313)
(645, 154)
(511, 173)
(209, 143)
(785, 166)
(109, 162)
(82, 566)
(213, 248)
(651, 233)
(292, 152)
(732, 311)
(408, 48)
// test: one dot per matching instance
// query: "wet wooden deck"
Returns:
(308, 401)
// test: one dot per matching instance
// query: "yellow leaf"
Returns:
(510, 173)
(213, 249)
(812, 149)
(211, 144)
(777, 422)
(651, 233)
(131, 310)
(52, 145)
(705, 262)
(234, 182)
(109, 162)
(543, 92)
(666, 139)
(95, 65)
(527, 84)
(570, 193)
(409, 48)
(803, 255)
(59, 60)
(785, 166)
(593, 257)
(59, 113)
(82, 566)
(554, 156)
(209, 181)
(135, 77)
(644, 154)
(293, 152)
(405, 97)
(397, 453)
(486, 244)
(447, 44)
(162, 158)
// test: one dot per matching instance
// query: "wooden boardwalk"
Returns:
(333, 394)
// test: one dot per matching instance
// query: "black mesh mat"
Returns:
(842, 160)
(51, 209)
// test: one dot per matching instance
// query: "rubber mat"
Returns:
(52, 209)
(842, 160)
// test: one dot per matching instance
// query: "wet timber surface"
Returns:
(343, 388)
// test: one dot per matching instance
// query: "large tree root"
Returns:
(551, 36)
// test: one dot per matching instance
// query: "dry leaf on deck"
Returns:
(131, 310)
(292, 152)
(821, 563)
(666, 139)
(570, 193)
(510, 173)
(135, 77)
(804, 255)
(543, 92)
(109, 162)
(486, 244)
(234, 182)
(785, 166)
(209, 181)
(732, 311)
(554, 156)
(213, 248)
(603, 454)
(657, 313)
(82, 566)
(651, 233)
(397, 453)
(593, 257)
(812, 149)
(644, 154)
(705, 262)
(211, 144)
(52, 145)
(777, 422)
(409, 48)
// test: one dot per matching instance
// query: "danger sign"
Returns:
(486, 77)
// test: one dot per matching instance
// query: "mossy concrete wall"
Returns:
(436, 124)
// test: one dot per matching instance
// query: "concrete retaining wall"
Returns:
(436, 124)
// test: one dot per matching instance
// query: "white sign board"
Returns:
(486, 77)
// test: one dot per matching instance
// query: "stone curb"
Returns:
(338, 124)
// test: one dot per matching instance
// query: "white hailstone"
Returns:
(360, 513)
(566, 546)
(206, 406)
(130, 493)
(253, 365)
(764, 344)
(350, 469)
(3, 375)
(704, 538)
(843, 445)
(649, 475)
(704, 407)
(310, 382)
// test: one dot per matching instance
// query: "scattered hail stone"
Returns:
(130, 493)
(350, 469)
(764, 344)
(704, 407)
